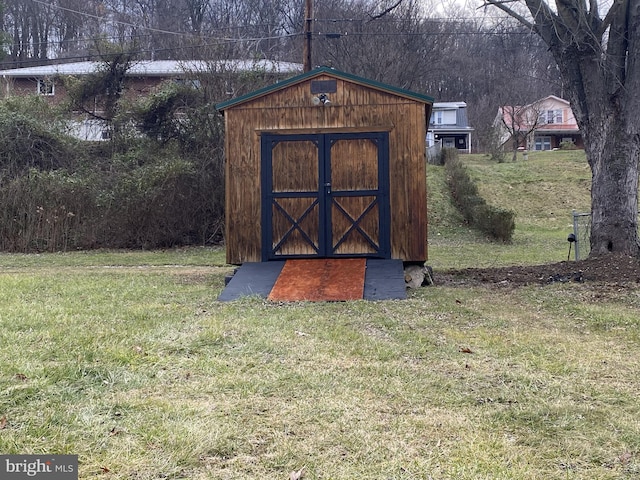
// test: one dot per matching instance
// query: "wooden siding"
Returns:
(353, 108)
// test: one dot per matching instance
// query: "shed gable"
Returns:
(314, 78)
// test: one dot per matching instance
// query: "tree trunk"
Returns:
(599, 62)
(613, 155)
(606, 113)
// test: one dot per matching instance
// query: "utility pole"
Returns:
(308, 24)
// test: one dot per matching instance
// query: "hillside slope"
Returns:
(543, 191)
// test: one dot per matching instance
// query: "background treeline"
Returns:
(432, 47)
(158, 181)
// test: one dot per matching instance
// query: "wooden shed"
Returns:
(326, 164)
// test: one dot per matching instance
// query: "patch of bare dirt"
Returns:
(612, 269)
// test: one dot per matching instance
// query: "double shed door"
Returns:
(325, 195)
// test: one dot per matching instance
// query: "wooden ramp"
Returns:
(319, 280)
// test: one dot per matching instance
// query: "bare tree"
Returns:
(196, 10)
(28, 24)
(389, 42)
(599, 60)
(493, 63)
(520, 122)
(74, 24)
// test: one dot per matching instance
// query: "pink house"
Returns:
(546, 124)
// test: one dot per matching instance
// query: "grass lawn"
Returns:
(127, 360)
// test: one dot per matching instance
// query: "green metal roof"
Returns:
(323, 71)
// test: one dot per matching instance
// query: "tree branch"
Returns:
(386, 11)
(613, 11)
(512, 13)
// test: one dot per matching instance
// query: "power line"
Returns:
(98, 56)
(423, 20)
(106, 19)
(156, 30)
(419, 34)
(330, 33)
(132, 37)
(316, 20)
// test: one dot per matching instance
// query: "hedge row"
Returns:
(496, 222)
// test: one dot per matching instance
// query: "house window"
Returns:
(554, 116)
(46, 86)
(443, 117)
(550, 116)
(449, 117)
(543, 143)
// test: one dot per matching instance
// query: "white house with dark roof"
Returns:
(449, 126)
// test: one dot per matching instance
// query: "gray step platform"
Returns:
(384, 280)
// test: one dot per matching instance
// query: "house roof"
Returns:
(557, 128)
(324, 71)
(462, 118)
(509, 114)
(554, 98)
(448, 105)
(152, 68)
